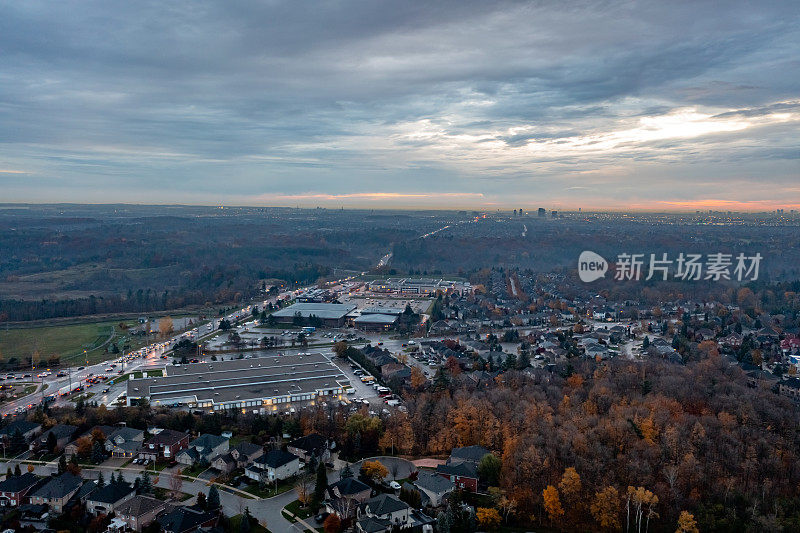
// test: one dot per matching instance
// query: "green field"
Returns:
(68, 342)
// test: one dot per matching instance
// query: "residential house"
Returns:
(345, 496)
(62, 433)
(28, 430)
(140, 511)
(14, 488)
(382, 513)
(224, 463)
(186, 519)
(35, 516)
(790, 387)
(106, 499)
(205, 446)
(240, 456)
(164, 446)
(245, 453)
(124, 442)
(56, 491)
(311, 445)
(463, 475)
(72, 448)
(433, 488)
(467, 454)
(275, 465)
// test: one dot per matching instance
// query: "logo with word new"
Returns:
(591, 266)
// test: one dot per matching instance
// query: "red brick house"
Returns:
(164, 446)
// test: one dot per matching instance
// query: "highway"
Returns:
(147, 357)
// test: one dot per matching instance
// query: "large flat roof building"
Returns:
(422, 286)
(332, 315)
(262, 384)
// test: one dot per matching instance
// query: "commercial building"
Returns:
(263, 384)
(420, 286)
(331, 315)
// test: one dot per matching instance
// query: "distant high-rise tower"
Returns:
(554, 214)
(542, 212)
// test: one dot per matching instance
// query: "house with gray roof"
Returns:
(106, 499)
(433, 488)
(140, 511)
(56, 492)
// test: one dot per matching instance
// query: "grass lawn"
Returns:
(297, 509)
(235, 521)
(68, 342)
(269, 490)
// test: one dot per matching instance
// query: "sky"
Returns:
(597, 104)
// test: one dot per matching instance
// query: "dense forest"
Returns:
(69, 260)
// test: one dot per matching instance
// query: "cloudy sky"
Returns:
(597, 104)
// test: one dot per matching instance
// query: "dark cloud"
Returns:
(107, 99)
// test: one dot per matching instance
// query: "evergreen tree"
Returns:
(322, 483)
(17, 471)
(146, 485)
(346, 472)
(245, 525)
(213, 498)
(201, 500)
(62, 464)
(52, 442)
(9, 473)
(97, 453)
(137, 485)
(101, 482)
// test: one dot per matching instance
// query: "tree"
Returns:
(98, 454)
(17, 471)
(332, 524)
(201, 500)
(146, 485)
(101, 481)
(245, 524)
(487, 518)
(321, 484)
(346, 472)
(9, 473)
(176, 482)
(340, 349)
(52, 442)
(303, 489)
(552, 503)
(62, 464)
(570, 485)
(213, 498)
(165, 326)
(17, 441)
(489, 469)
(411, 496)
(642, 502)
(418, 379)
(224, 324)
(605, 508)
(687, 523)
(30, 469)
(373, 471)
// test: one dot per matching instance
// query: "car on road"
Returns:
(81, 367)
(106, 390)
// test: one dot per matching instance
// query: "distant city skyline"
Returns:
(615, 106)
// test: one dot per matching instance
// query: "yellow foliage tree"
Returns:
(165, 326)
(687, 523)
(605, 508)
(374, 470)
(552, 503)
(487, 517)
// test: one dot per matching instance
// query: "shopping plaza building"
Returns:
(266, 384)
